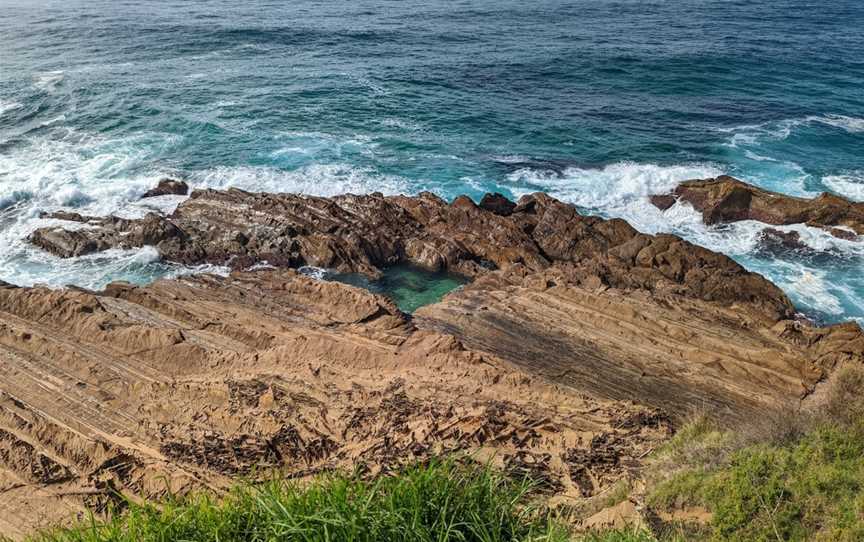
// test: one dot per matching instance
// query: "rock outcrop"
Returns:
(167, 187)
(367, 233)
(726, 199)
(577, 345)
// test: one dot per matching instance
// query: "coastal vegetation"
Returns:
(437, 501)
(794, 487)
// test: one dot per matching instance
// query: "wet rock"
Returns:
(68, 216)
(367, 233)
(663, 201)
(167, 187)
(843, 234)
(726, 199)
(66, 243)
(778, 242)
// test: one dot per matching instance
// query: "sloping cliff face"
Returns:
(188, 383)
(577, 342)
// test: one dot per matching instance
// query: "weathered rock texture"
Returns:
(366, 233)
(726, 199)
(202, 378)
(188, 383)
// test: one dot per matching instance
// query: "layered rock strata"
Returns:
(187, 384)
(576, 343)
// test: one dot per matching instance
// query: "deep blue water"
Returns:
(598, 102)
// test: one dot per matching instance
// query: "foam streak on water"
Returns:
(600, 104)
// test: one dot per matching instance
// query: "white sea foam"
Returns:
(402, 124)
(619, 190)
(89, 174)
(851, 186)
(853, 125)
(48, 81)
(810, 286)
(56, 120)
(318, 273)
(315, 179)
(750, 134)
(7, 106)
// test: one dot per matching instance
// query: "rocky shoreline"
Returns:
(575, 350)
(726, 199)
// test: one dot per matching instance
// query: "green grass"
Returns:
(435, 502)
(811, 488)
(619, 535)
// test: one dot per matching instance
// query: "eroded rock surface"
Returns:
(367, 233)
(577, 342)
(726, 199)
(189, 383)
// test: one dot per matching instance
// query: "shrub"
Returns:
(844, 401)
(806, 490)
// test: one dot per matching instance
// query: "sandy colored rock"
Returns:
(577, 346)
(726, 199)
(189, 383)
(657, 348)
(620, 516)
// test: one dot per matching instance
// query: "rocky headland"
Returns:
(574, 351)
(726, 199)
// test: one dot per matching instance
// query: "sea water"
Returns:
(410, 287)
(598, 103)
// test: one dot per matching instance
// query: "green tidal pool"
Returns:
(408, 286)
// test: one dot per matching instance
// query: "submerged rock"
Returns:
(779, 242)
(726, 199)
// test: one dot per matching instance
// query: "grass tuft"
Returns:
(439, 501)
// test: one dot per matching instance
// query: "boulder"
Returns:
(726, 199)
(167, 187)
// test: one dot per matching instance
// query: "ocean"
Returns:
(600, 103)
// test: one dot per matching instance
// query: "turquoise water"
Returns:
(408, 286)
(599, 103)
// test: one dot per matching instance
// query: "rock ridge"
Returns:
(727, 199)
(365, 233)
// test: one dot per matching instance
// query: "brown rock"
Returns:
(577, 342)
(367, 233)
(726, 199)
(187, 384)
(497, 204)
(167, 187)
(679, 353)
(663, 201)
(843, 234)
